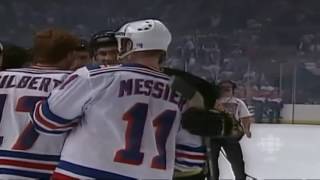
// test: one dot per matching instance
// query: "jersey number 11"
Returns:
(136, 118)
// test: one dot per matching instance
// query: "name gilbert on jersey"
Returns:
(28, 82)
(152, 88)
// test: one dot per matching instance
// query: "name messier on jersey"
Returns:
(156, 89)
(28, 82)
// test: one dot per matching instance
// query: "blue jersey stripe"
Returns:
(25, 173)
(32, 156)
(190, 163)
(53, 132)
(51, 116)
(90, 172)
(37, 71)
(134, 71)
(145, 70)
(139, 67)
(200, 149)
(126, 66)
(47, 69)
(39, 128)
(149, 70)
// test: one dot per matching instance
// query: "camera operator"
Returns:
(237, 108)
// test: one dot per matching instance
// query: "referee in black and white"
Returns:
(238, 109)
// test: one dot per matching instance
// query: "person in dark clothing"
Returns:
(237, 108)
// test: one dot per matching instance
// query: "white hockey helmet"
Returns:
(142, 35)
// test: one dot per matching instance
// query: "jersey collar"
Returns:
(138, 65)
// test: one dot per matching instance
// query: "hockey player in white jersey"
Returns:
(123, 119)
(24, 153)
(190, 156)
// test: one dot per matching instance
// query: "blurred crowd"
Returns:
(268, 47)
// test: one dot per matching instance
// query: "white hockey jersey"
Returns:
(127, 119)
(24, 153)
(234, 106)
(190, 152)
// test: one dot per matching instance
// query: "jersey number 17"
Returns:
(29, 135)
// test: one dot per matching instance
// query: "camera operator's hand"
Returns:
(219, 107)
(211, 122)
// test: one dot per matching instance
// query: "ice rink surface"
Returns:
(279, 151)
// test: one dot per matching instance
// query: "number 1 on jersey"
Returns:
(136, 117)
(3, 98)
(163, 123)
(29, 135)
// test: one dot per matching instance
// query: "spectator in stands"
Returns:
(273, 32)
(258, 101)
(190, 49)
(227, 70)
(175, 60)
(275, 105)
(240, 93)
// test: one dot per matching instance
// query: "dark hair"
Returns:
(104, 38)
(83, 46)
(234, 85)
(15, 57)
